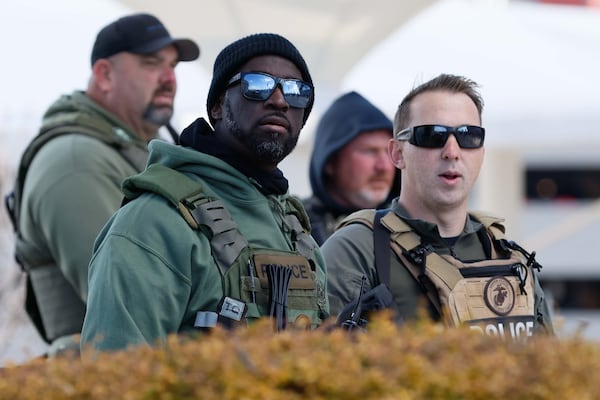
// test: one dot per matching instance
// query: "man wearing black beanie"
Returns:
(210, 234)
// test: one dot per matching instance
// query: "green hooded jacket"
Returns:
(68, 186)
(151, 273)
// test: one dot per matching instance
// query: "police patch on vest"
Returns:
(515, 328)
(301, 271)
(499, 295)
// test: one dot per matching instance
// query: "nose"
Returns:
(277, 99)
(168, 75)
(451, 150)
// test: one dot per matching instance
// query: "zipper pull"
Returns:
(521, 272)
(531, 261)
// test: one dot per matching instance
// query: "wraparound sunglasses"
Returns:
(259, 86)
(436, 136)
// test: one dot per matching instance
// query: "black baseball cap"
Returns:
(140, 34)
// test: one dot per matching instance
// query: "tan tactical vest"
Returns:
(493, 296)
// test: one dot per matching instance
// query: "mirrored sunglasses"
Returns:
(436, 136)
(259, 86)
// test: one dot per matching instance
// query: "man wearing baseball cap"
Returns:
(210, 234)
(70, 175)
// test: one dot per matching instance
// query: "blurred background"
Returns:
(537, 63)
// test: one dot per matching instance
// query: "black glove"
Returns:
(376, 299)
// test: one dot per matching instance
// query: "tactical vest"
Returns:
(51, 302)
(256, 282)
(494, 296)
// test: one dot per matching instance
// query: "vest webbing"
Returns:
(401, 232)
(200, 210)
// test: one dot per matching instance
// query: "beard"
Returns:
(367, 198)
(158, 115)
(266, 149)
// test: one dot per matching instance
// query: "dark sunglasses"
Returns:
(258, 86)
(436, 136)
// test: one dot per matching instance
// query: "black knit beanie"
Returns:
(232, 57)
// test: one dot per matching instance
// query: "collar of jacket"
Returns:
(201, 137)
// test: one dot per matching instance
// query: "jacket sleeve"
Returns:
(543, 309)
(135, 296)
(348, 255)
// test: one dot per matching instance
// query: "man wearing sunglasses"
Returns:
(428, 251)
(209, 233)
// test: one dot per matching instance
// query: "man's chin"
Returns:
(372, 200)
(159, 117)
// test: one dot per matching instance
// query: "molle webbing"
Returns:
(203, 212)
(403, 234)
(406, 243)
(227, 242)
(302, 241)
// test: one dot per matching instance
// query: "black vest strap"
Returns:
(381, 247)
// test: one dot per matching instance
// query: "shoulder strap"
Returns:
(382, 248)
(494, 225)
(495, 228)
(401, 238)
(203, 212)
(364, 217)
(200, 211)
(381, 237)
(298, 222)
(133, 154)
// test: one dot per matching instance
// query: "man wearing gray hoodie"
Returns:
(349, 168)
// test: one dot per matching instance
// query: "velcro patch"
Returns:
(233, 309)
(301, 271)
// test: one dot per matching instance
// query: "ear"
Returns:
(396, 153)
(216, 112)
(102, 71)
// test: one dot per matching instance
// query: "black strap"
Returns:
(173, 133)
(381, 247)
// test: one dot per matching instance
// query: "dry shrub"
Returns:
(417, 361)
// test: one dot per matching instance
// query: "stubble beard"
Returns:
(270, 150)
(158, 115)
(367, 198)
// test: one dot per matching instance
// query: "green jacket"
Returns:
(151, 273)
(349, 254)
(71, 187)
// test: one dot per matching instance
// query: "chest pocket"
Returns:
(280, 284)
